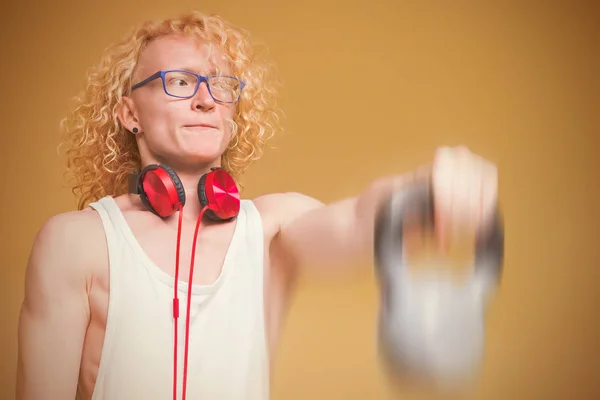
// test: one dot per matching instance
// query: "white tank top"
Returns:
(228, 357)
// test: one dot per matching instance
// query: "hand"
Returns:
(465, 188)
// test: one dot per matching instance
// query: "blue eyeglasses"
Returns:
(184, 84)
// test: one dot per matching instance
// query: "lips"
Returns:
(201, 126)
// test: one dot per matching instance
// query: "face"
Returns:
(184, 133)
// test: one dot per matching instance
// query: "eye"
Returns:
(178, 82)
(179, 79)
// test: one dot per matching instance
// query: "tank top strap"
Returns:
(254, 229)
(112, 222)
(102, 207)
(110, 213)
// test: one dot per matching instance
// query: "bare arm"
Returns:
(55, 312)
(336, 233)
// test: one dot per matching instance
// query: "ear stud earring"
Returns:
(135, 130)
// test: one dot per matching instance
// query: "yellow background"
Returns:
(371, 88)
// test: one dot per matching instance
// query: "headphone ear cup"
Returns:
(160, 190)
(218, 193)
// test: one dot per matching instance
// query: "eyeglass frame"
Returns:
(201, 78)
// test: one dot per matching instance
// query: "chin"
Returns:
(199, 156)
(205, 154)
(204, 144)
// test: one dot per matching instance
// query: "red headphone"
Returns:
(162, 192)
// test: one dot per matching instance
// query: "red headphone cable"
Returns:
(176, 304)
(189, 299)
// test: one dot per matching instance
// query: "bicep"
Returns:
(54, 315)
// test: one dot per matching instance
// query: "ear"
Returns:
(127, 114)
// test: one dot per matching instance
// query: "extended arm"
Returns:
(464, 186)
(336, 233)
(54, 313)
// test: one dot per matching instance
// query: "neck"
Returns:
(192, 206)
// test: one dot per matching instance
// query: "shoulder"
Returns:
(70, 226)
(282, 208)
(69, 240)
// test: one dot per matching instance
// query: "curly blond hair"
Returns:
(101, 153)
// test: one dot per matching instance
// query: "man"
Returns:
(97, 318)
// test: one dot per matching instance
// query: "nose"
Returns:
(203, 100)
